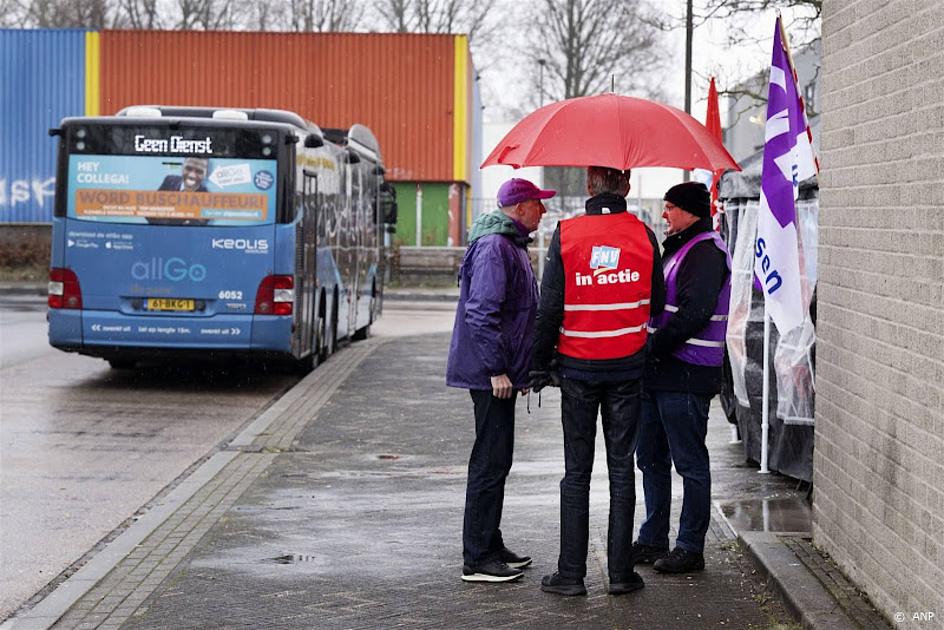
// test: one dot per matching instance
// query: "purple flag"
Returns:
(788, 160)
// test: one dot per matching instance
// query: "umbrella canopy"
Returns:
(610, 130)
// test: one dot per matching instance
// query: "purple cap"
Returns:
(516, 190)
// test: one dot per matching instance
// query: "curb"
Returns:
(801, 591)
(23, 289)
(420, 297)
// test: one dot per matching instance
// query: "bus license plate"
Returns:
(169, 304)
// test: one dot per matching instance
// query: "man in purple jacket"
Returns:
(490, 355)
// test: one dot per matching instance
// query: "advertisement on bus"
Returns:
(171, 190)
(169, 251)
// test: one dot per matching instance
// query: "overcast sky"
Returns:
(506, 83)
(506, 80)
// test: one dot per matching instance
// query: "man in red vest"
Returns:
(602, 281)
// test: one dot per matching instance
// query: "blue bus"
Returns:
(195, 233)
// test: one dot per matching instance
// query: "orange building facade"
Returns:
(417, 93)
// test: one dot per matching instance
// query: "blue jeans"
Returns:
(618, 404)
(673, 429)
(488, 467)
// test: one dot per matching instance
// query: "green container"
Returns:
(435, 214)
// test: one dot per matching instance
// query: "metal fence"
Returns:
(559, 208)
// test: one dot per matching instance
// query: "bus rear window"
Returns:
(171, 190)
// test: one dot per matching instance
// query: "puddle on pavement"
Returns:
(293, 558)
(785, 514)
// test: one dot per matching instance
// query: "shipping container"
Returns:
(417, 92)
(42, 80)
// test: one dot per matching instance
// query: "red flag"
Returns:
(713, 123)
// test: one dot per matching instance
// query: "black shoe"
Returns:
(634, 583)
(492, 571)
(647, 554)
(562, 586)
(680, 561)
(512, 559)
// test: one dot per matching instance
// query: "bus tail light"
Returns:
(64, 289)
(276, 295)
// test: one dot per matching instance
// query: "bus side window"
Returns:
(387, 203)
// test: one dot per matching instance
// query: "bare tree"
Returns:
(323, 16)
(139, 14)
(10, 14)
(585, 46)
(207, 15)
(438, 16)
(263, 16)
(802, 21)
(94, 14)
(806, 19)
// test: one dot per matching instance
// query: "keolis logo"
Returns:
(250, 246)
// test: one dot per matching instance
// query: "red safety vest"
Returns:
(607, 285)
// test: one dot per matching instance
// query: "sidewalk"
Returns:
(418, 294)
(341, 507)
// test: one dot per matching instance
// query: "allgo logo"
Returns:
(173, 269)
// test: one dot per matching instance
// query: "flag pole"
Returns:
(765, 405)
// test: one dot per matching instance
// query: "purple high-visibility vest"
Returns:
(706, 347)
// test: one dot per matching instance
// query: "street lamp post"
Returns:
(541, 244)
(689, 28)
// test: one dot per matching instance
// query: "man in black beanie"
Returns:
(683, 373)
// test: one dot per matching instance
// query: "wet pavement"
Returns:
(353, 519)
(84, 447)
(779, 514)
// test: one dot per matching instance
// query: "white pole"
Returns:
(765, 406)
(639, 197)
(419, 215)
(541, 252)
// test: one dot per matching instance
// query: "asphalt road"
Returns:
(84, 447)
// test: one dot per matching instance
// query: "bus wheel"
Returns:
(322, 338)
(333, 346)
(361, 333)
(306, 364)
(122, 364)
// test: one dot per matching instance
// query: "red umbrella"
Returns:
(610, 130)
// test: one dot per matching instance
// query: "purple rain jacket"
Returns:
(498, 297)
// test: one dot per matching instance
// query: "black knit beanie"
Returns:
(692, 197)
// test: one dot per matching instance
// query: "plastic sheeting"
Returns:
(791, 399)
(793, 360)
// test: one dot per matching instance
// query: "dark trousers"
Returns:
(618, 403)
(488, 467)
(673, 429)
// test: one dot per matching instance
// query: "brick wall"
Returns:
(879, 458)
